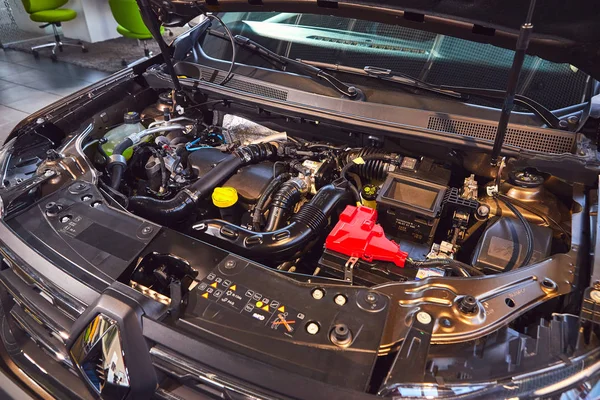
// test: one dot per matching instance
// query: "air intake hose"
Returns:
(286, 242)
(284, 201)
(180, 207)
(376, 165)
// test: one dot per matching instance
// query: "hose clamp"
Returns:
(117, 159)
(191, 194)
(302, 184)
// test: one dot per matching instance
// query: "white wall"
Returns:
(22, 18)
(94, 22)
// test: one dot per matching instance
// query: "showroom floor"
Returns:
(27, 84)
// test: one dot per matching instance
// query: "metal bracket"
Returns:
(411, 360)
(11, 194)
(499, 298)
(349, 269)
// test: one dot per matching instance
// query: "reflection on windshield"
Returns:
(437, 59)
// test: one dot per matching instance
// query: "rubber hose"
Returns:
(117, 169)
(373, 168)
(284, 201)
(284, 243)
(270, 189)
(184, 204)
(372, 157)
(121, 147)
(116, 174)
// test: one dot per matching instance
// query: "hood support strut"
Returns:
(153, 25)
(513, 80)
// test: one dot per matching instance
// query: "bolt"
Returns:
(467, 305)
(96, 204)
(423, 317)
(371, 297)
(340, 299)
(341, 335)
(312, 328)
(77, 187)
(65, 219)
(50, 205)
(445, 322)
(318, 294)
(595, 295)
(87, 197)
(483, 211)
(52, 155)
(48, 172)
(230, 264)
(147, 230)
(40, 121)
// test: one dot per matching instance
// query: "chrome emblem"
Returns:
(98, 353)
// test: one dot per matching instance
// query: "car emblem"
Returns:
(98, 353)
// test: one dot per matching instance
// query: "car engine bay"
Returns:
(389, 250)
(367, 215)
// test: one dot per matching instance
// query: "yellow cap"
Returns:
(224, 197)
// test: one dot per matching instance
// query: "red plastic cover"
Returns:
(357, 235)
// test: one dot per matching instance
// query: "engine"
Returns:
(362, 215)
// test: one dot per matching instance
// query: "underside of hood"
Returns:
(564, 31)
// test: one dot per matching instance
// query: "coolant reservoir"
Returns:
(131, 124)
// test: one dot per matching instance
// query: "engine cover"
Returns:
(250, 181)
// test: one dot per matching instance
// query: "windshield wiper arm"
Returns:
(244, 42)
(461, 93)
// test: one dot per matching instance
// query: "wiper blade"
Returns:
(246, 43)
(526, 102)
(458, 92)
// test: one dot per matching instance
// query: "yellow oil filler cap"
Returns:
(224, 197)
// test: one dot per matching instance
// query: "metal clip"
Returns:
(349, 268)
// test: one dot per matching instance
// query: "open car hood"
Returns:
(564, 32)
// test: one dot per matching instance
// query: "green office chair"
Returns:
(49, 12)
(131, 25)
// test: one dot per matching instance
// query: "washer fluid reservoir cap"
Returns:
(224, 197)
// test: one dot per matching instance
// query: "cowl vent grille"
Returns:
(248, 87)
(545, 141)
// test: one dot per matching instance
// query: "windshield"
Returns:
(436, 59)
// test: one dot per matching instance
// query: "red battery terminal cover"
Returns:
(358, 235)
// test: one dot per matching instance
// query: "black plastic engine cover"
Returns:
(267, 316)
(250, 181)
(77, 225)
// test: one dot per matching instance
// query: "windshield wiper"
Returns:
(461, 93)
(317, 68)
(242, 41)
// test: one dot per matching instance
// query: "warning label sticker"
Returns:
(272, 313)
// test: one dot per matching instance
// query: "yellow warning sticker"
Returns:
(213, 285)
(233, 287)
(266, 308)
(281, 309)
(205, 295)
